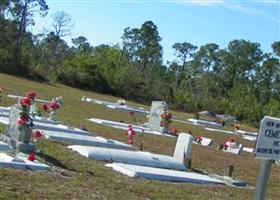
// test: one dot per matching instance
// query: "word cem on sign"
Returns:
(268, 142)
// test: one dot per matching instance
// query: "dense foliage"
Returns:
(241, 79)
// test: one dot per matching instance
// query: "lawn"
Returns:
(75, 177)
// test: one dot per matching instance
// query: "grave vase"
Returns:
(25, 134)
(52, 115)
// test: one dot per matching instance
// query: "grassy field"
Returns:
(75, 177)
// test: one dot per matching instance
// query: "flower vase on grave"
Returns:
(24, 134)
(52, 115)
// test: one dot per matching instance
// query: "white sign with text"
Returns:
(268, 141)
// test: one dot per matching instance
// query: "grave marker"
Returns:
(268, 149)
(157, 108)
(19, 135)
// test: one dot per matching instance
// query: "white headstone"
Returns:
(183, 147)
(268, 141)
(157, 108)
(20, 135)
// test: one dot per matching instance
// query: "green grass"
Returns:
(75, 177)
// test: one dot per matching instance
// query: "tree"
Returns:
(81, 44)
(276, 48)
(240, 61)
(62, 24)
(23, 11)
(184, 51)
(143, 47)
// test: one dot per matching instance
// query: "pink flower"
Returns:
(54, 105)
(31, 95)
(45, 107)
(25, 102)
(36, 134)
(21, 120)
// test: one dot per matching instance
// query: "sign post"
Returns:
(268, 149)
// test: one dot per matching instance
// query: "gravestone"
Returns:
(157, 108)
(19, 135)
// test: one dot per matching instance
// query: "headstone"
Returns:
(157, 108)
(19, 135)
(183, 148)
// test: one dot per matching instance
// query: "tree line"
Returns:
(240, 79)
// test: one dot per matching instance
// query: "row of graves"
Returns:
(159, 120)
(25, 126)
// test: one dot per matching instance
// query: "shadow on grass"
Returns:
(52, 160)
(196, 170)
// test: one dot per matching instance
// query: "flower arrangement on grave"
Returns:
(24, 119)
(52, 107)
(33, 108)
(165, 119)
(31, 156)
(173, 131)
(37, 135)
(31, 95)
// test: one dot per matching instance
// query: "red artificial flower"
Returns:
(45, 107)
(25, 101)
(21, 120)
(37, 134)
(31, 95)
(174, 131)
(168, 115)
(199, 138)
(54, 105)
(31, 156)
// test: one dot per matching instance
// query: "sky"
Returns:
(195, 21)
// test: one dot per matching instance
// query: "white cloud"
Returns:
(204, 2)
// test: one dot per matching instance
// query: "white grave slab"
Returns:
(247, 133)
(112, 105)
(204, 142)
(5, 114)
(181, 153)
(127, 108)
(86, 140)
(124, 126)
(249, 150)
(251, 138)
(204, 122)
(21, 97)
(162, 174)
(20, 162)
(234, 149)
(186, 122)
(59, 128)
(4, 147)
(49, 125)
(219, 130)
(129, 157)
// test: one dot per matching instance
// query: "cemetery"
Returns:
(189, 158)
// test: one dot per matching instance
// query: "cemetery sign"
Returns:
(268, 141)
